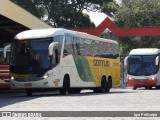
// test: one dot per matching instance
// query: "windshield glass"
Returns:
(142, 65)
(30, 55)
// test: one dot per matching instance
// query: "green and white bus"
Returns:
(64, 60)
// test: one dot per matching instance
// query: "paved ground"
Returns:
(117, 100)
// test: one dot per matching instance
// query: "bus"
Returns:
(64, 60)
(142, 66)
(4, 69)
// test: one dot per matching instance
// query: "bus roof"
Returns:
(145, 51)
(50, 32)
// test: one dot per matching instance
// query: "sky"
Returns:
(98, 17)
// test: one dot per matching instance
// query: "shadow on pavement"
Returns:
(9, 97)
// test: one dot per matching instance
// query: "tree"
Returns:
(33, 6)
(109, 7)
(138, 13)
(63, 13)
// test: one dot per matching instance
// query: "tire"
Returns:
(96, 90)
(103, 88)
(104, 85)
(148, 87)
(66, 86)
(134, 88)
(74, 91)
(29, 92)
(158, 87)
(109, 84)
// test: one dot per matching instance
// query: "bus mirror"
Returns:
(5, 50)
(51, 47)
(125, 61)
(157, 60)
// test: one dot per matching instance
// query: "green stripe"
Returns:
(83, 68)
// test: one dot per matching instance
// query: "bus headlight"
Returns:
(153, 78)
(129, 78)
(12, 78)
(45, 76)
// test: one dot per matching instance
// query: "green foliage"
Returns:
(63, 13)
(33, 6)
(109, 7)
(138, 13)
(108, 35)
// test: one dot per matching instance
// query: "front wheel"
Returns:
(148, 87)
(134, 88)
(74, 91)
(29, 92)
(66, 86)
(158, 87)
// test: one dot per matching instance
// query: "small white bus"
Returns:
(143, 68)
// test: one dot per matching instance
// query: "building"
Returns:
(14, 19)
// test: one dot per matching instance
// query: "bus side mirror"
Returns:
(5, 51)
(125, 61)
(51, 47)
(157, 60)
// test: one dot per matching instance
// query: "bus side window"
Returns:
(59, 39)
(68, 47)
(78, 46)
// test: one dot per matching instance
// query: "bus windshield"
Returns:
(142, 65)
(30, 55)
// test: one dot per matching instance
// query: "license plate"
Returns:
(28, 85)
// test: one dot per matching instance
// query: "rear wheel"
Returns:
(66, 86)
(109, 84)
(104, 85)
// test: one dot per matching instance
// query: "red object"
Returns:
(5, 85)
(4, 71)
(118, 31)
(142, 83)
(4, 75)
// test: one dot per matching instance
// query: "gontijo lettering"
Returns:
(105, 63)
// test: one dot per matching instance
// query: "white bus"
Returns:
(64, 60)
(143, 68)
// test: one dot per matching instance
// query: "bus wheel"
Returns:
(134, 88)
(148, 87)
(96, 90)
(74, 91)
(104, 85)
(158, 87)
(29, 92)
(109, 84)
(66, 86)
